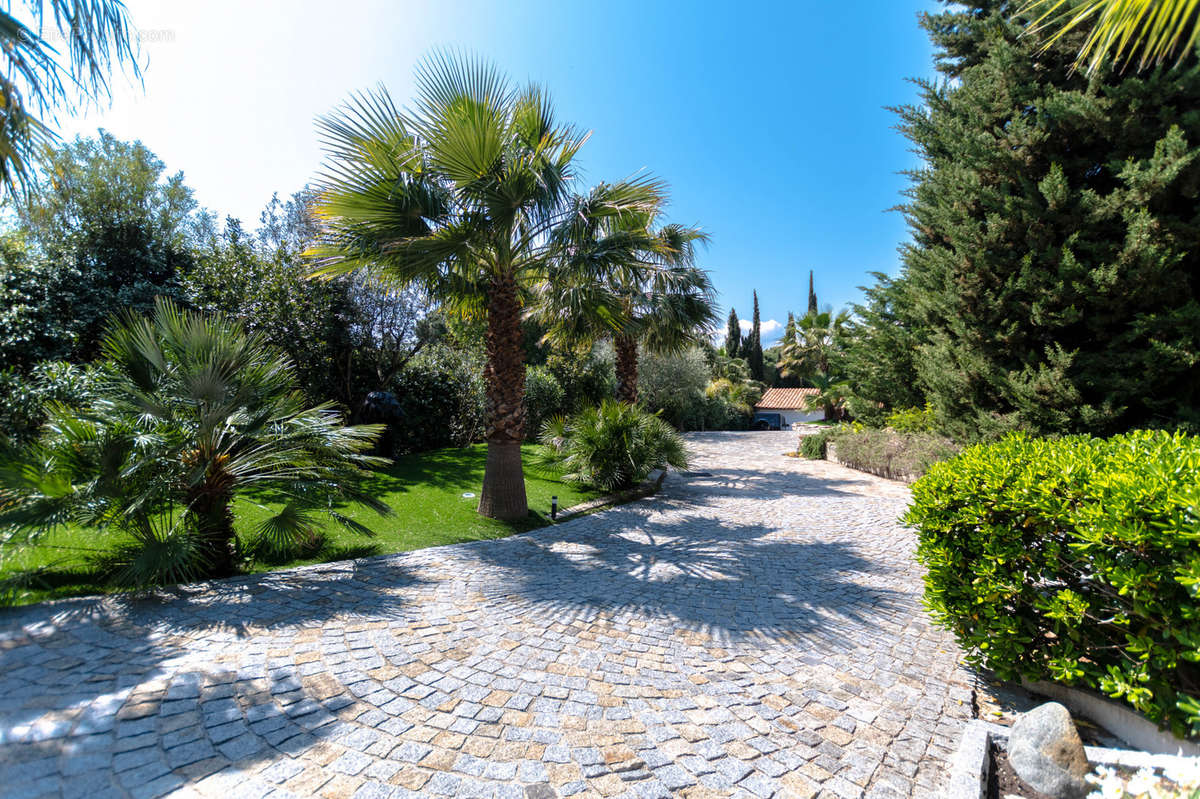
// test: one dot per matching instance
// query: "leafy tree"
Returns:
(264, 287)
(1053, 258)
(753, 347)
(115, 233)
(733, 335)
(468, 195)
(190, 412)
(673, 385)
(41, 78)
(544, 398)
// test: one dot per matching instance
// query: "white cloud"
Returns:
(767, 328)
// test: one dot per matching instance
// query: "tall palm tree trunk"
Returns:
(503, 495)
(625, 348)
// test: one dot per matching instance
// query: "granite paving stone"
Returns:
(755, 629)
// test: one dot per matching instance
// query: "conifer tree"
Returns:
(753, 345)
(812, 295)
(733, 335)
(1053, 274)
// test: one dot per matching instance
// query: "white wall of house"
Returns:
(794, 415)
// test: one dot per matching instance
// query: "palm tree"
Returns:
(652, 294)
(1150, 31)
(190, 412)
(37, 80)
(830, 397)
(816, 343)
(466, 196)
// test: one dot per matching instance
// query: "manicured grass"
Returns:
(428, 509)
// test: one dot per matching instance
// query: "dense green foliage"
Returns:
(544, 398)
(435, 401)
(188, 413)
(614, 446)
(880, 357)
(24, 398)
(1073, 560)
(698, 389)
(1051, 281)
(912, 420)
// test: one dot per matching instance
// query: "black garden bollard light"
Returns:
(553, 508)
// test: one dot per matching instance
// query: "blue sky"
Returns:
(768, 120)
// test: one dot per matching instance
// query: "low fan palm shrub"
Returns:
(612, 447)
(188, 413)
(1074, 560)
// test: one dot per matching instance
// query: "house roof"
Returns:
(785, 399)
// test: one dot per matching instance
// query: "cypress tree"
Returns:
(733, 335)
(812, 295)
(1054, 268)
(753, 345)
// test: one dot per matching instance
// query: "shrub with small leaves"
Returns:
(814, 446)
(900, 456)
(911, 420)
(1073, 560)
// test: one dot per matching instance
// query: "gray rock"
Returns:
(1045, 751)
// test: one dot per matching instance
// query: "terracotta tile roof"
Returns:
(785, 399)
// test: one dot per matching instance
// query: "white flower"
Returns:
(1143, 782)
(1186, 774)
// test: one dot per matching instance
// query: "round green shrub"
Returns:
(1075, 560)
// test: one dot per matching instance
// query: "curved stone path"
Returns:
(754, 630)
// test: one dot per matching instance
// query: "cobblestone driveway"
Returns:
(755, 630)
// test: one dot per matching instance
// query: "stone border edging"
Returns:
(1119, 720)
(646, 488)
(971, 764)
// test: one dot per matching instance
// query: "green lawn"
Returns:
(425, 493)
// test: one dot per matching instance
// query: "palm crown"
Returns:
(652, 293)
(190, 412)
(1148, 31)
(472, 195)
(815, 343)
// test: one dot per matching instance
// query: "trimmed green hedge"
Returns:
(1075, 560)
